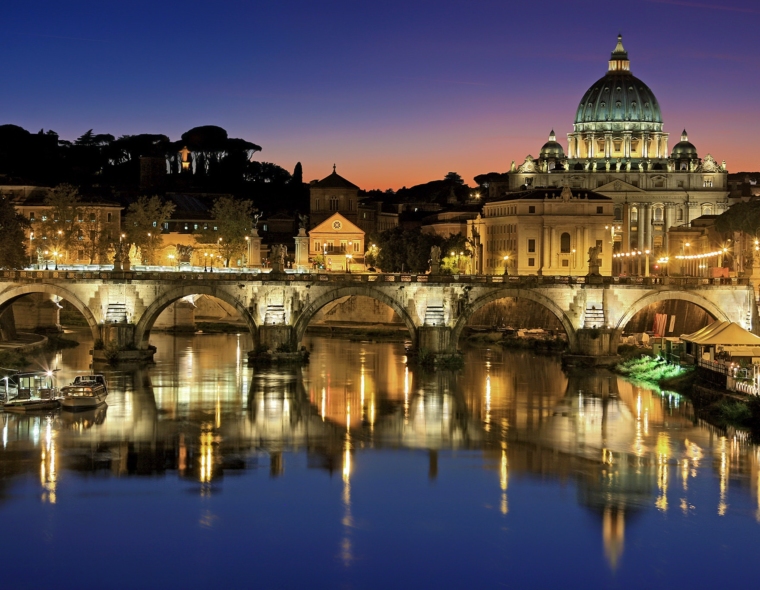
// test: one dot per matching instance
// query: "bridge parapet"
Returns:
(377, 278)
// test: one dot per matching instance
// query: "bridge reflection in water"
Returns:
(202, 413)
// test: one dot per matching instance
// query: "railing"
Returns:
(364, 277)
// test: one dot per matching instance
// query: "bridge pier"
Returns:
(434, 339)
(595, 346)
(276, 336)
(118, 345)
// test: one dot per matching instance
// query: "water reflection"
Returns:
(201, 413)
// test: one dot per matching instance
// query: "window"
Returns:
(356, 246)
(564, 243)
(31, 216)
(316, 247)
(528, 182)
(92, 218)
(80, 217)
(109, 217)
(531, 209)
(599, 246)
(44, 218)
(634, 214)
(706, 209)
(565, 262)
(195, 226)
(658, 214)
(316, 204)
(531, 262)
(155, 223)
(707, 183)
(330, 246)
(333, 203)
(350, 205)
(679, 214)
(344, 245)
(635, 183)
(166, 225)
(531, 245)
(680, 184)
(599, 210)
(618, 214)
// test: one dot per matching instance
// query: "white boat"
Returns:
(85, 393)
(35, 392)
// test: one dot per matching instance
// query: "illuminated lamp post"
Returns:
(171, 260)
(46, 260)
(31, 237)
(646, 268)
(348, 262)
(506, 263)
(205, 262)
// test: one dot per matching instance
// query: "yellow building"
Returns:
(339, 242)
(543, 232)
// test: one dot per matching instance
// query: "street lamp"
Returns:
(46, 260)
(31, 237)
(506, 263)
(205, 262)
(348, 262)
(55, 255)
(171, 260)
(646, 269)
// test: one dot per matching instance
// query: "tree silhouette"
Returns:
(13, 229)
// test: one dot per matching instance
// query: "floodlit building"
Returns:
(618, 147)
(543, 232)
(339, 243)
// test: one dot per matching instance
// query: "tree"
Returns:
(144, 223)
(405, 250)
(297, 178)
(58, 226)
(231, 226)
(13, 229)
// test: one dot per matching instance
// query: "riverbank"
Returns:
(541, 341)
(717, 406)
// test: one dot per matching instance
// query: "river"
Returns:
(358, 471)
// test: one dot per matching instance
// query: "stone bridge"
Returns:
(123, 306)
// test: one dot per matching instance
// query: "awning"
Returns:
(722, 334)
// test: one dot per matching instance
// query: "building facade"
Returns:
(543, 232)
(335, 194)
(619, 148)
(338, 243)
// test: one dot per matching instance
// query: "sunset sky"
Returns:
(395, 93)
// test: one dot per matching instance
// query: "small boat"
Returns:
(85, 393)
(35, 392)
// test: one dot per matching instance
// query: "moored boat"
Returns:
(85, 393)
(35, 392)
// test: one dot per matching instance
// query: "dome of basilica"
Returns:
(618, 96)
(552, 148)
(684, 149)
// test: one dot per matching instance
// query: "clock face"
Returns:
(337, 224)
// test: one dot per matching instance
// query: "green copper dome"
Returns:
(684, 149)
(552, 148)
(618, 96)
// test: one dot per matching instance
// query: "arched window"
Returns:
(564, 243)
(679, 214)
(658, 213)
(634, 214)
(707, 209)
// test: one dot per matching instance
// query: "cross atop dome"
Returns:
(619, 59)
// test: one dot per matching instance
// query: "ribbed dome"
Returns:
(684, 149)
(618, 96)
(552, 149)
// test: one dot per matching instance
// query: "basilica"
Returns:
(618, 148)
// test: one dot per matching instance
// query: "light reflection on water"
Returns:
(512, 433)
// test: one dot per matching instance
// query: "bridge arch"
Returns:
(299, 328)
(664, 295)
(150, 315)
(529, 294)
(10, 295)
